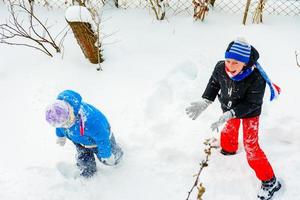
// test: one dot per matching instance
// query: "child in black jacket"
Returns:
(239, 82)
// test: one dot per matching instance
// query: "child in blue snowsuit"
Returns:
(87, 128)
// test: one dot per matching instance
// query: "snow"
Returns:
(78, 14)
(152, 71)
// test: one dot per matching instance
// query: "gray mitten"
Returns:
(110, 161)
(114, 158)
(61, 141)
(196, 108)
(224, 118)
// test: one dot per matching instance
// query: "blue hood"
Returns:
(71, 97)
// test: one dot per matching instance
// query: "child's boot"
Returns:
(227, 153)
(268, 188)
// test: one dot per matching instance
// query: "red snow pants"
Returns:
(256, 158)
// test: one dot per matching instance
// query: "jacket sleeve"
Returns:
(253, 99)
(213, 85)
(103, 143)
(59, 132)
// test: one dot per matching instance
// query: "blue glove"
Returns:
(224, 118)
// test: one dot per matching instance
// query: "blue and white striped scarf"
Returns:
(274, 89)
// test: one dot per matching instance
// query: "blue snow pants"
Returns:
(86, 160)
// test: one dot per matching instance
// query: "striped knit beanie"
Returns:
(239, 50)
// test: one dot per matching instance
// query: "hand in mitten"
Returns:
(196, 108)
(61, 141)
(224, 118)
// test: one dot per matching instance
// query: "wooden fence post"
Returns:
(246, 11)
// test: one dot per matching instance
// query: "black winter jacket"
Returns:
(245, 97)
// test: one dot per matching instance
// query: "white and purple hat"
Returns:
(58, 113)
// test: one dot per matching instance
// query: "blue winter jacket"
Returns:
(95, 124)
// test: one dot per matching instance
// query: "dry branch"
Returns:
(246, 11)
(209, 145)
(257, 17)
(158, 7)
(29, 29)
(297, 62)
(80, 2)
(200, 9)
(212, 2)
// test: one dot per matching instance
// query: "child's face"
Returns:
(71, 119)
(233, 66)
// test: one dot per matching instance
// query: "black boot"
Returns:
(268, 188)
(226, 153)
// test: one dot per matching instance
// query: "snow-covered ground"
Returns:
(152, 71)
